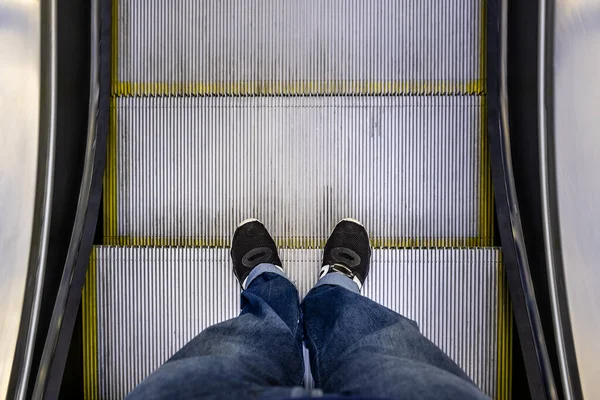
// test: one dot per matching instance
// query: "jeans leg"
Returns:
(255, 355)
(359, 347)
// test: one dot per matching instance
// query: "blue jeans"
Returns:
(357, 348)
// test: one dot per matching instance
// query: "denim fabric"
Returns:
(357, 347)
(338, 279)
(261, 269)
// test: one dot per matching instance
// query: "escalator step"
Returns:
(140, 305)
(184, 171)
(266, 47)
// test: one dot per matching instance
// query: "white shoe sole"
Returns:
(351, 220)
(247, 221)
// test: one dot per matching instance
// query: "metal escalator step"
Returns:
(265, 47)
(186, 170)
(140, 305)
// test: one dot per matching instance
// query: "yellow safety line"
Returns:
(110, 209)
(505, 336)
(290, 242)
(298, 88)
(90, 329)
(486, 196)
(110, 176)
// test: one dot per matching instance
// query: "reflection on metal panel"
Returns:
(188, 169)
(142, 304)
(19, 130)
(577, 162)
(298, 47)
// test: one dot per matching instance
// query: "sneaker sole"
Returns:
(351, 220)
(247, 221)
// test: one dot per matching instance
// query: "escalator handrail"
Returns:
(539, 370)
(49, 375)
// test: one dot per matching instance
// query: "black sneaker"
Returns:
(252, 245)
(348, 251)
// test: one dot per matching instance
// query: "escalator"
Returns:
(298, 113)
(148, 130)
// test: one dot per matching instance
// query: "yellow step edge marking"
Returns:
(505, 337)
(486, 194)
(298, 88)
(109, 181)
(292, 242)
(90, 330)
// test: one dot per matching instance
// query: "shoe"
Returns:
(252, 245)
(348, 251)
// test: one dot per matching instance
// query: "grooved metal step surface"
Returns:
(260, 47)
(186, 170)
(300, 113)
(140, 305)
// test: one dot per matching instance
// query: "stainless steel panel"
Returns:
(576, 98)
(186, 170)
(298, 46)
(151, 301)
(19, 147)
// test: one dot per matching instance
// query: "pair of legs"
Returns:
(357, 347)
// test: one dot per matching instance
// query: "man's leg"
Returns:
(358, 347)
(255, 355)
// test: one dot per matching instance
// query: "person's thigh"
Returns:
(359, 347)
(246, 357)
